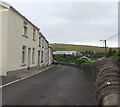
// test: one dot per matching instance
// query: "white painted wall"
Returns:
(0, 41)
(12, 40)
(50, 56)
(39, 49)
(3, 39)
(46, 54)
(44, 48)
(16, 40)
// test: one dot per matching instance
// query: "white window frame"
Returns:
(25, 28)
(33, 55)
(34, 34)
(39, 41)
(43, 43)
(23, 55)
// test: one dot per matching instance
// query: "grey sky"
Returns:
(73, 22)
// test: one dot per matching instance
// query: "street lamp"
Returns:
(105, 47)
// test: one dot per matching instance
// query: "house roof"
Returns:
(6, 5)
(43, 37)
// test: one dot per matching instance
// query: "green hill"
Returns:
(70, 47)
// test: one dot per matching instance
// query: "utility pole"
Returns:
(106, 43)
(105, 47)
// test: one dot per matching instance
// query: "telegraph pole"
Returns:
(106, 43)
(105, 49)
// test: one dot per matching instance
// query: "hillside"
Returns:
(81, 48)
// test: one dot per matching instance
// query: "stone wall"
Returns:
(107, 82)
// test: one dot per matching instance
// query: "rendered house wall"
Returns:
(12, 41)
(46, 54)
(50, 56)
(16, 40)
(39, 50)
(42, 50)
(3, 39)
(0, 41)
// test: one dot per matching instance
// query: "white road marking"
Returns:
(24, 77)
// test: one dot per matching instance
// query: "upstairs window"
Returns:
(34, 33)
(39, 41)
(24, 28)
(46, 45)
(42, 43)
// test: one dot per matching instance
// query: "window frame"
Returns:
(39, 41)
(25, 29)
(43, 43)
(23, 57)
(34, 34)
(33, 55)
(42, 54)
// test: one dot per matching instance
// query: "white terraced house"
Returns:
(22, 45)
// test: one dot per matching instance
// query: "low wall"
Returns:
(106, 74)
(107, 82)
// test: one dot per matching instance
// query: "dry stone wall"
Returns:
(107, 82)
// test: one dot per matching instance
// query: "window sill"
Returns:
(33, 62)
(25, 36)
(23, 65)
(34, 40)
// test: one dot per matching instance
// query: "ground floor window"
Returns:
(33, 55)
(41, 56)
(23, 54)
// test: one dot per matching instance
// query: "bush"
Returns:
(111, 52)
(114, 54)
(115, 57)
(82, 60)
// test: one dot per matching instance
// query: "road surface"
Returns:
(60, 85)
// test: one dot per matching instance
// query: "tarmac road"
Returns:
(60, 85)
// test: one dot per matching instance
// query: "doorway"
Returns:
(38, 59)
(29, 58)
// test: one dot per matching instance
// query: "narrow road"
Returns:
(60, 85)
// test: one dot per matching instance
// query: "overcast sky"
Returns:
(73, 22)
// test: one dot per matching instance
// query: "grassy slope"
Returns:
(81, 48)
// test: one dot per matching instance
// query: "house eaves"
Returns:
(43, 37)
(8, 6)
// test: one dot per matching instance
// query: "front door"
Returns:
(38, 59)
(29, 57)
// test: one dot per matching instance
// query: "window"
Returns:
(34, 33)
(33, 55)
(41, 56)
(24, 28)
(39, 41)
(46, 45)
(23, 54)
(42, 43)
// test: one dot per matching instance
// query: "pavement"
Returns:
(14, 76)
(59, 85)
